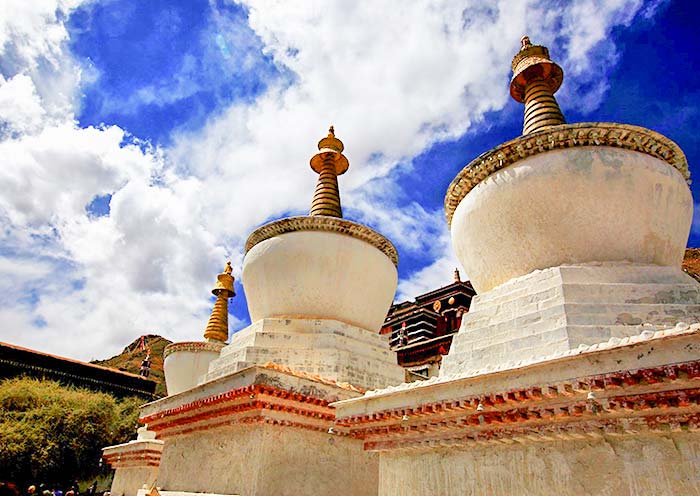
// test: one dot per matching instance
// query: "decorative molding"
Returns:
(563, 431)
(658, 398)
(623, 136)
(681, 329)
(193, 347)
(146, 457)
(252, 404)
(323, 223)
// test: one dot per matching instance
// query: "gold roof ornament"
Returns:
(330, 142)
(217, 327)
(457, 277)
(329, 163)
(224, 282)
(535, 80)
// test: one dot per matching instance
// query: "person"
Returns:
(8, 489)
(93, 488)
(31, 490)
(145, 370)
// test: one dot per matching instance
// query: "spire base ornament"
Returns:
(535, 80)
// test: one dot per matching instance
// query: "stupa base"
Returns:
(593, 463)
(135, 463)
(559, 309)
(608, 419)
(328, 348)
(261, 430)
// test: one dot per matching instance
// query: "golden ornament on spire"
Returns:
(457, 277)
(217, 327)
(329, 163)
(330, 142)
(535, 80)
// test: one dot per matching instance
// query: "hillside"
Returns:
(130, 359)
(691, 263)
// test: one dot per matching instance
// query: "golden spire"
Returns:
(329, 162)
(535, 80)
(217, 327)
(457, 278)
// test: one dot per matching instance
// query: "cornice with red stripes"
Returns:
(659, 398)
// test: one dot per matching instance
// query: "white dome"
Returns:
(319, 267)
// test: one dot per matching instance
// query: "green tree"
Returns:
(52, 434)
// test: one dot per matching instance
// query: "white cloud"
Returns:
(20, 106)
(393, 78)
(438, 273)
(32, 43)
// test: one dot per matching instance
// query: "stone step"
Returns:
(630, 314)
(632, 293)
(290, 341)
(588, 313)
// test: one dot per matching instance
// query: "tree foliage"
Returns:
(54, 434)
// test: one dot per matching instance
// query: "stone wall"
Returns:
(128, 481)
(662, 465)
(267, 460)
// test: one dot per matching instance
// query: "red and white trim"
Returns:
(658, 398)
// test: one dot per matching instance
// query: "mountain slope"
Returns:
(691, 263)
(130, 359)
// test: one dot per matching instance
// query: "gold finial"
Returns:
(457, 278)
(535, 80)
(329, 163)
(224, 283)
(331, 143)
(525, 42)
(217, 327)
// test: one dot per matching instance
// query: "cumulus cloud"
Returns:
(393, 77)
(20, 106)
(32, 42)
(74, 283)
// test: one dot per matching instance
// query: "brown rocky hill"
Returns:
(130, 359)
(691, 263)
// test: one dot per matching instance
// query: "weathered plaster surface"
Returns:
(262, 460)
(569, 206)
(127, 481)
(561, 308)
(662, 465)
(328, 348)
(136, 463)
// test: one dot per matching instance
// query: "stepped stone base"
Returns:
(327, 348)
(260, 431)
(135, 463)
(562, 308)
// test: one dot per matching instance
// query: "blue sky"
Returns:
(148, 139)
